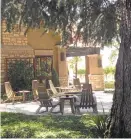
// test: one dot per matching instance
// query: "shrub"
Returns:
(18, 132)
(55, 78)
(100, 122)
(109, 70)
(109, 85)
(81, 71)
(20, 74)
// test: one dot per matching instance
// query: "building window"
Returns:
(43, 66)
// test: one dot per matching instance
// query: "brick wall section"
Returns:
(63, 81)
(13, 38)
(97, 82)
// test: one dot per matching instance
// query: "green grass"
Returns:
(16, 125)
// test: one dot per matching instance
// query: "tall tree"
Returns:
(74, 64)
(120, 119)
(94, 21)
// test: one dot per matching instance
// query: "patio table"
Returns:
(24, 93)
(62, 100)
(69, 89)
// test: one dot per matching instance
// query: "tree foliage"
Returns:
(74, 64)
(92, 21)
(81, 71)
(109, 70)
(113, 57)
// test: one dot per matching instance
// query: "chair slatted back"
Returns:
(35, 88)
(76, 83)
(86, 86)
(34, 84)
(44, 99)
(46, 103)
(9, 90)
(52, 87)
(41, 87)
(86, 98)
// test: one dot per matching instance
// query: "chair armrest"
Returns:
(93, 92)
(49, 91)
(77, 85)
(45, 99)
(58, 87)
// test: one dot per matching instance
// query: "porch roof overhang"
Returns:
(82, 51)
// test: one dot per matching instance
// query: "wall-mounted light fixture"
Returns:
(62, 56)
(99, 63)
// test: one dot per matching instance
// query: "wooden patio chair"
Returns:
(60, 91)
(35, 89)
(46, 101)
(11, 95)
(87, 100)
(86, 86)
(77, 83)
(55, 90)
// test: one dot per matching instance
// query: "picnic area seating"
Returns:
(87, 100)
(11, 95)
(77, 83)
(35, 89)
(60, 91)
(46, 101)
(86, 86)
(56, 91)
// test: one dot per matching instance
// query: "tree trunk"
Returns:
(119, 125)
(76, 69)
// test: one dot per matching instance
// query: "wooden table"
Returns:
(62, 100)
(24, 93)
(69, 89)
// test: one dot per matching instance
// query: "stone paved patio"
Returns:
(104, 101)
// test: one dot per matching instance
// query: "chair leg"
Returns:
(75, 110)
(37, 111)
(46, 109)
(13, 101)
(95, 109)
(61, 109)
(78, 110)
(51, 109)
(6, 100)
